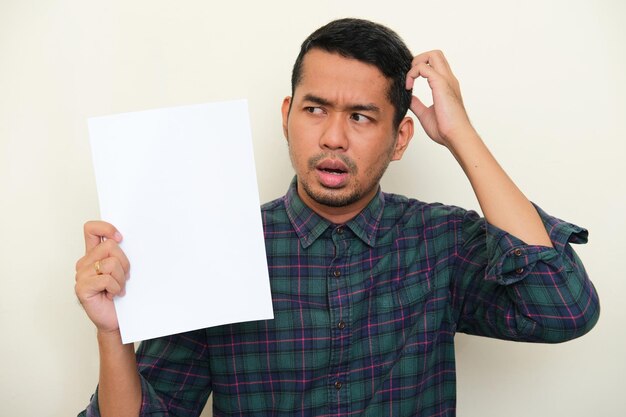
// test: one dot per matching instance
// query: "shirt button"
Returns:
(341, 325)
(519, 271)
(340, 230)
(338, 384)
(517, 252)
(337, 273)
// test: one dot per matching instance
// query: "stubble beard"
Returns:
(345, 196)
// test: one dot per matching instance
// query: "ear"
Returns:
(285, 112)
(404, 135)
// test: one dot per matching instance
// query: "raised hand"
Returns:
(101, 274)
(446, 120)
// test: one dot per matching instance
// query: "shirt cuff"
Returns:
(512, 259)
(151, 405)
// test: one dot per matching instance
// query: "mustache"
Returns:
(315, 160)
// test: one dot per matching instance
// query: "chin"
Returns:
(333, 197)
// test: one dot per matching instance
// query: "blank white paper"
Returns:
(180, 185)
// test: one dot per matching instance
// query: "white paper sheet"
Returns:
(180, 185)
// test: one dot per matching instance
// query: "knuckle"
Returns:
(78, 291)
(90, 225)
(109, 244)
(119, 268)
(126, 265)
(104, 266)
(115, 263)
(112, 285)
(79, 264)
(82, 263)
(116, 269)
(81, 275)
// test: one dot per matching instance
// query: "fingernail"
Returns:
(118, 236)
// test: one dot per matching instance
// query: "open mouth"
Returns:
(332, 166)
(332, 173)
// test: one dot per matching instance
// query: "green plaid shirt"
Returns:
(366, 312)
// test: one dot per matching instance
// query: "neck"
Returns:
(337, 215)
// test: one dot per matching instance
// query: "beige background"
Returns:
(543, 82)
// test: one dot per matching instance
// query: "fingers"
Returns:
(428, 65)
(109, 276)
(435, 59)
(421, 69)
(113, 268)
(95, 231)
(109, 249)
(417, 107)
(89, 286)
(112, 278)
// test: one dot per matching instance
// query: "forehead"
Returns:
(334, 76)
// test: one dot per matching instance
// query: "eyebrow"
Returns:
(352, 107)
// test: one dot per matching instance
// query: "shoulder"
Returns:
(413, 210)
(274, 205)
(274, 216)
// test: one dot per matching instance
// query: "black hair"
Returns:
(368, 42)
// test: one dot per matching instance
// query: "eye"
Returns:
(314, 110)
(359, 118)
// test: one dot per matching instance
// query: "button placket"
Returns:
(339, 304)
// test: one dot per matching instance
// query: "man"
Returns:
(368, 288)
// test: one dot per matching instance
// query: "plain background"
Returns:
(543, 82)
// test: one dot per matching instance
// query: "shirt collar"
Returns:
(310, 225)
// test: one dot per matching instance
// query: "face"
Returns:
(340, 131)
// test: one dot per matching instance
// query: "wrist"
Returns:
(460, 137)
(109, 337)
(465, 145)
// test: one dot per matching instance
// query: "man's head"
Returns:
(345, 121)
(367, 42)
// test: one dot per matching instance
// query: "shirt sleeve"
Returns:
(507, 289)
(174, 377)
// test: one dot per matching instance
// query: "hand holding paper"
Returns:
(180, 184)
(101, 274)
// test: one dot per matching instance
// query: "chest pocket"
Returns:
(408, 293)
(405, 320)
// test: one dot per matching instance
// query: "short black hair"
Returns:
(368, 42)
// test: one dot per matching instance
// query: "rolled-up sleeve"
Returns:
(174, 377)
(151, 405)
(515, 291)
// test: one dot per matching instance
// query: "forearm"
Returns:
(119, 391)
(502, 203)
(532, 309)
(510, 290)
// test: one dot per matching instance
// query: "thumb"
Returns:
(95, 231)
(417, 107)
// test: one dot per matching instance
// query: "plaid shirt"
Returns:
(366, 312)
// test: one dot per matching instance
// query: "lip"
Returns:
(332, 173)
(332, 165)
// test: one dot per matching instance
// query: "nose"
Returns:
(334, 136)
